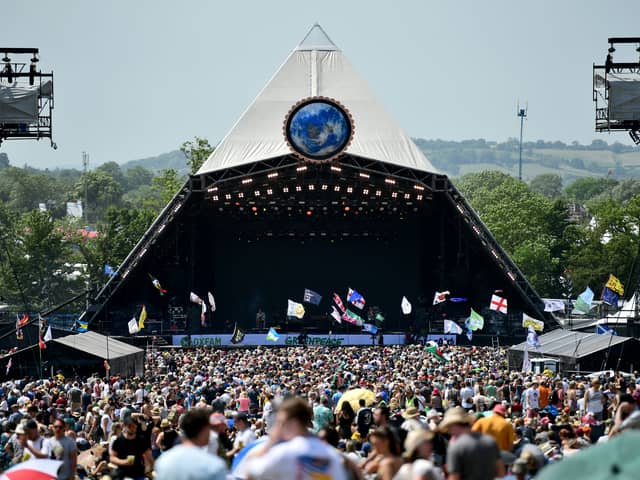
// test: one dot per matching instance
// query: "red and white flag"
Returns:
(338, 302)
(499, 304)
(336, 314)
(440, 297)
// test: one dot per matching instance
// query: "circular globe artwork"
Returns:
(318, 129)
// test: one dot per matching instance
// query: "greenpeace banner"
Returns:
(255, 339)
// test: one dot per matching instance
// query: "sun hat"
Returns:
(500, 410)
(165, 423)
(455, 416)
(414, 439)
(433, 413)
(410, 412)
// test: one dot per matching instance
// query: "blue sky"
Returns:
(137, 78)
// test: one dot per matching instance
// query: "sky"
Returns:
(134, 79)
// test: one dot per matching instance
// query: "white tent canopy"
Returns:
(316, 67)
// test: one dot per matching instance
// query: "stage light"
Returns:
(215, 198)
(336, 188)
(212, 189)
(460, 208)
(298, 188)
(175, 210)
(285, 190)
(269, 191)
(418, 187)
(347, 208)
(349, 190)
(336, 169)
(257, 193)
(365, 191)
(247, 180)
(390, 180)
(141, 254)
(394, 195)
(511, 276)
(312, 187)
(324, 187)
(418, 197)
(227, 196)
(254, 209)
(407, 196)
(494, 253)
(378, 193)
(241, 195)
(364, 175)
(477, 230)
(272, 175)
(301, 169)
(309, 213)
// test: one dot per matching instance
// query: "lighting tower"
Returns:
(85, 164)
(522, 113)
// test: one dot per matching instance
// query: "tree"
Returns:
(197, 152)
(136, 177)
(167, 183)
(102, 191)
(547, 184)
(584, 189)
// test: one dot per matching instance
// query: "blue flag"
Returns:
(584, 300)
(457, 299)
(108, 270)
(355, 299)
(311, 297)
(82, 326)
(605, 330)
(610, 297)
(273, 336)
(369, 328)
(469, 330)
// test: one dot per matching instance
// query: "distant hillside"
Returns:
(174, 159)
(569, 161)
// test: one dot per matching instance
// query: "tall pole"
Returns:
(85, 164)
(522, 113)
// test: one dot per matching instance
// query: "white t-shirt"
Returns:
(302, 458)
(245, 437)
(532, 397)
(466, 396)
(189, 463)
(140, 395)
(594, 404)
(41, 444)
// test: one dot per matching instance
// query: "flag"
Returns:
(467, 324)
(338, 301)
(476, 321)
(48, 336)
(553, 305)
(433, 349)
(212, 302)
(19, 334)
(194, 298)
(583, 302)
(526, 363)
(9, 365)
(133, 326)
(142, 317)
(370, 328)
(108, 270)
(156, 284)
(532, 338)
(614, 284)
(24, 320)
(609, 297)
(273, 336)
(336, 314)
(238, 335)
(405, 306)
(355, 299)
(352, 318)
(458, 299)
(499, 304)
(311, 297)
(295, 309)
(107, 367)
(452, 327)
(203, 313)
(605, 330)
(440, 297)
(530, 322)
(82, 326)
(379, 317)
(41, 344)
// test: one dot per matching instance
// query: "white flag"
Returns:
(553, 305)
(336, 314)
(527, 321)
(295, 309)
(195, 298)
(452, 327)
(406, 306)
(212, 302)
(499, 304)
(133, 326)
(48, 336)
(526, 363)
(440, 297)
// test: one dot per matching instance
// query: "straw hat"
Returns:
(411, 412)
(414, 439)
(455, 416)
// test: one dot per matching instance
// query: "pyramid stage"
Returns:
(316, 187)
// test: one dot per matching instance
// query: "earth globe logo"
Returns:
(318, 129)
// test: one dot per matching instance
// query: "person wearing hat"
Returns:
(471, 455)
(167, 437)
(497, 426)
(418, 450)
(412, 421)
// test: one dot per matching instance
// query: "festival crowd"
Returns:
(380, 412)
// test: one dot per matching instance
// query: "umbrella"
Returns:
(239, 457)
(618, 458)
(39, 469)
(354, 396)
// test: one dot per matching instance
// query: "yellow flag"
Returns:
(614, 284)
(142, 318)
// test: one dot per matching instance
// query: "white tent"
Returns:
(316, 67)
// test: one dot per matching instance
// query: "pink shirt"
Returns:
(243, 404)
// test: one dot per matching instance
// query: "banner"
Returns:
(311, 297)
(259, 339)
(553, 305)
(528, 321)
(614, 284)
(295, 309)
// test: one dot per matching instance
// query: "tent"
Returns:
(579, 351)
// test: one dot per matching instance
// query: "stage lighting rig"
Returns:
(26, 96)
(616, 90)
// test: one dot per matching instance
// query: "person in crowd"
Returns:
(384, 460)
(244, 435)
(345, 416)
(130, 453)
(418, 451)
(498, 427)
(35, 445)
(63, 448)
(322, 415)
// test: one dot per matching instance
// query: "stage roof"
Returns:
(567, 343)
(98, 345)
(316, 67)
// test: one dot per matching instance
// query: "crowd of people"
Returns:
(379, 412)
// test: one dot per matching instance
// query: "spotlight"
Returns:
(215, 198)
(511, 276)
(349, 190)
(272, 175)
(477, 230)
(378, 193)
(269, 191)
(336, 169)
(285, 190)
(298, 188)
(407, 196)
(241, 195)
(254, 209)
(460, 208)
(212, 189)
(257, 193)
(324, 187)
(390, 180)
(418, 197)
(312, 187)
(347, 208)
(494, 253)
(418, 187)
(309, 213)
(364, 175)
(247, 180)
(301, 169)
(394, 195)
(336, 188)
(227, 196)
(365, 191)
